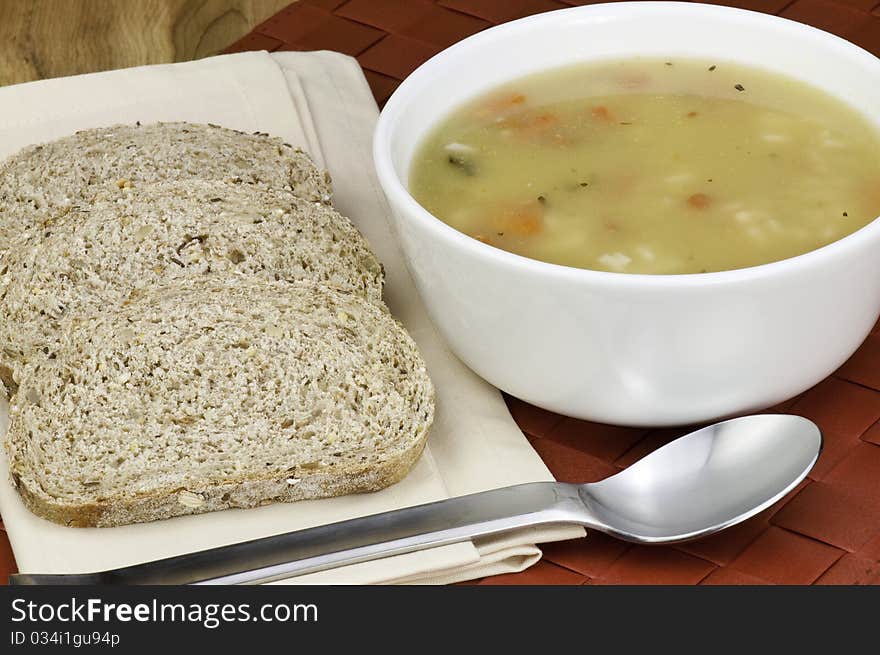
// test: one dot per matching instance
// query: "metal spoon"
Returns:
(695, 486)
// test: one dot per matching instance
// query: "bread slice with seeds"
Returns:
(41, 181)
(120, 247)
(211, 395)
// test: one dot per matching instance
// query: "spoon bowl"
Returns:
(695, 486)
(706, 481)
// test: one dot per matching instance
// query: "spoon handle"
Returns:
(349, 542)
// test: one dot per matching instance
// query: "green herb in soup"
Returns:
(645, 166)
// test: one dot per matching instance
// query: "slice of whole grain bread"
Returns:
(119, 247)
(42, 181)
(216, 394)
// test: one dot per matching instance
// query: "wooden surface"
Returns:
(52, 38)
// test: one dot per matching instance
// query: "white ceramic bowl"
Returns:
(634, 349)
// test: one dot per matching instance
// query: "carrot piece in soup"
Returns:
(526, 223)
(499, 105)
(611, 226)
(601, 113)
(699, 201)
(531, 122)
(542, 127)
(521, 220)
(544, 119)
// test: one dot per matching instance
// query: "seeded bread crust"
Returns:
(217, 394)
(41, 182)
(233, 495)
(121, 245)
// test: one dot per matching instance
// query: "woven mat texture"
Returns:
(827, 531)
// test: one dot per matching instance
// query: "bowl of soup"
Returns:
(643, 214)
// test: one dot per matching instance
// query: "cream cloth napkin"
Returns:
(321, 102)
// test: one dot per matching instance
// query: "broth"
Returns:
(652, 166)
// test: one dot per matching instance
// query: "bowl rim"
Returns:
(393, 185)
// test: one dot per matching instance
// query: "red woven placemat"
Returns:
(827, 531)
(390, 38)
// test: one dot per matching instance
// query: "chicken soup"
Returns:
(659, 167)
